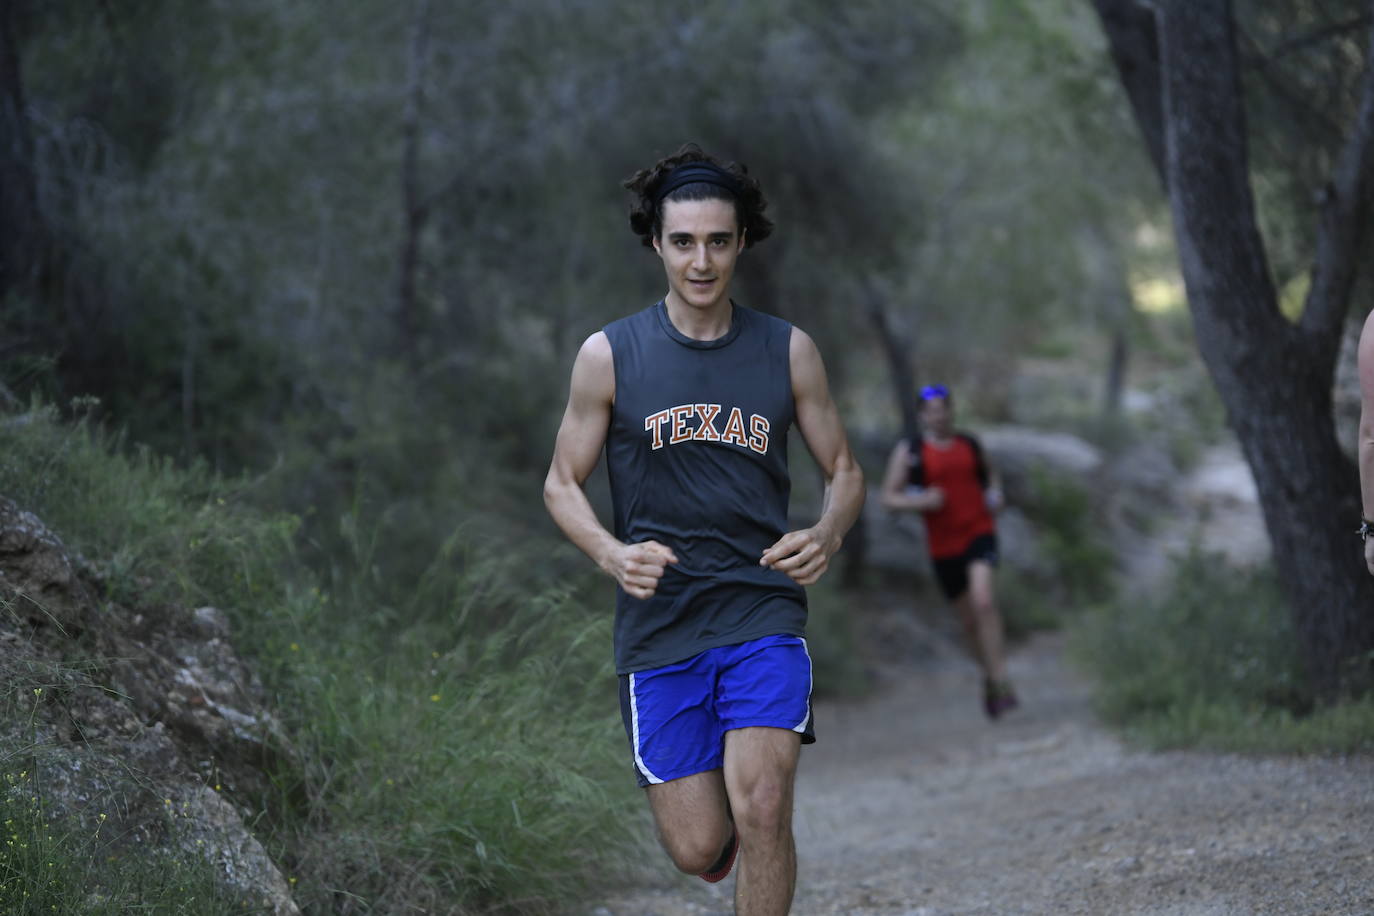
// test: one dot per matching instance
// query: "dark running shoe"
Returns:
(726, 862)
(998, 698)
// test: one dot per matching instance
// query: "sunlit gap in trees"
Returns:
(1158, 292)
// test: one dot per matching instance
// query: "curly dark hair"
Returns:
(646, 215)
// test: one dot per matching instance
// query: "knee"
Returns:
(764, 809)
(694, 854)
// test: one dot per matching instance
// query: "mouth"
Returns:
(700, 284)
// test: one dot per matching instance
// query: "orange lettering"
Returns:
(758, 438)
(654, 424)
(734, 428)
(680, 431)
(707, 429)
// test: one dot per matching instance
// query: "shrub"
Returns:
(1212, 662)
(456, 739)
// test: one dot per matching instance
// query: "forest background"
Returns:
(291, 292)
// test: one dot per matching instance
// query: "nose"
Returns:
(699, 259)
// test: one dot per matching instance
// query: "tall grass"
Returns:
(1212, 661)
(455, 741)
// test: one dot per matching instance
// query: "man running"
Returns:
(692, 399)
(946, 478)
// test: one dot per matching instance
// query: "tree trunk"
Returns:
(21, 230)
(1274, 378)
(414, 209)
(898, 359)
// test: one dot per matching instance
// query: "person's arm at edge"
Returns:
(1366, 436)
(581, 436)
(805, 554)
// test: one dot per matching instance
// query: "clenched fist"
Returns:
(638, 567)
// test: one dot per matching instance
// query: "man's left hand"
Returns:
(804, 555)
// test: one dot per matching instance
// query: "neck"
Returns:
(700, 322)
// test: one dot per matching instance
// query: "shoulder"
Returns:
(595, 349)
(1366, 347)
(594, 369)
(800, 343)
(904, 452)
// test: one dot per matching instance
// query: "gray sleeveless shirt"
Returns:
(697, 460)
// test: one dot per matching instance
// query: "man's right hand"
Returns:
(1369, 555)
(638, 567)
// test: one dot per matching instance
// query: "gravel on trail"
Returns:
(912, 804)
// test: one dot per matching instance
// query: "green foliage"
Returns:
(183, 535)
(456, 738)
(1212, 662)
(55, 864)
(477, 758)
(832, 641)
(1080, 564)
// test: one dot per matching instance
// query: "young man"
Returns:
(692, 399)
(946, 477)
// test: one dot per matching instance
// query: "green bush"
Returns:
(1212, 661)
(831, 639)
(154, 530)
(455, 737)
(1080, 563)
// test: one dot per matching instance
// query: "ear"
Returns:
(658, 248)
(741, 241)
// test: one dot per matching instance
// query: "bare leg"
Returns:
(760, 768)
(982, 621)
(693, 819)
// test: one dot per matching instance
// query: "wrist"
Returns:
(825, 534)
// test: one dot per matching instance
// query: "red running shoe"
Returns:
(724, 863)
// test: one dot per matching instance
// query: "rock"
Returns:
(1018, 452)
(143, 714)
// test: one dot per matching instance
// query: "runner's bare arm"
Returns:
(1366, 444)
(581, 436)
(804, 555)
(897, 496)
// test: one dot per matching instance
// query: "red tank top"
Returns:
(965, 515)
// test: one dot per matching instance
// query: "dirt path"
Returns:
(911, 803)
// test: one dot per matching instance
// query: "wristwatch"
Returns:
(1366, 529)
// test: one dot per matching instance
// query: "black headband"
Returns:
(697, 173)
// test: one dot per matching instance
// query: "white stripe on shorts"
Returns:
(634, 728)
(811, 682)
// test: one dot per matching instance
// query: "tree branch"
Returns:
(1341, 233)
(1301, 105)
(1134, 39)
(1319, 35)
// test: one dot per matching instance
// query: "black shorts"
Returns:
(952, 572)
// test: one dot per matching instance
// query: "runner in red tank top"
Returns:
(946, 478)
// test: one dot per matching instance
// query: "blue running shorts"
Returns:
(676, 716)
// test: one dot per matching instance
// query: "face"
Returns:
(699, 245)
(937, 416)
